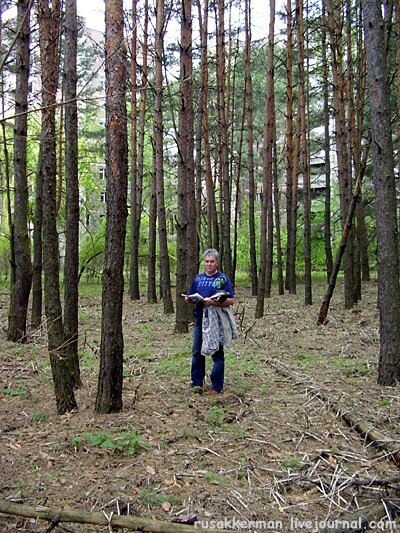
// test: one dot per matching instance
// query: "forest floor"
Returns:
(271, 449)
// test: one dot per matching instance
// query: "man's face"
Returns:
(210, 264)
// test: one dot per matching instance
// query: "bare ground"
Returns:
(268, 449)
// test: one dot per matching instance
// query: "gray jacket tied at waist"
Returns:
(219, 328)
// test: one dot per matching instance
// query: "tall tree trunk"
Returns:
(23, 266)
(134, 289)
(268, 153)
(250, 149)
(49, 31)
(223, 143)
(71, 293)
(186, 238)
(278, 238)
(290, 278)
(340, 96)
(187, 122)
(109, 391)
(212, 237)
(141, 149)
(37, 289)
(385, 195)
(151, 263)
(327, 149)
(266, 222)
(159, 160)
(305, 167)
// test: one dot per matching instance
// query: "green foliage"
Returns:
(130, 441)
(16, 392)
(215, 416)
(151, 497)
(292, 462)
(38, 417)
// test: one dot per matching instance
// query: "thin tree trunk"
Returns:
(250, 149)
(71, 292)
(159, 160)
(327, 149)
(223, 143)
(269, 143)
(23, 266)
(290, 278)
(266, 222)
(109, 391)
(37, 289)
(134, 289)
(279, 252)
(151, 263)
(49, 31)
(340, 96)
(302, 109)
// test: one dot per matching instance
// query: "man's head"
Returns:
(211, 261)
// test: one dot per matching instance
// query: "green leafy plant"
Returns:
(129, 441)
(38, 417)
(151, 497)
(215, 416)
(16, 392)
(292, 462)
(385, 402)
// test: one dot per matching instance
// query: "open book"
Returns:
(220, 296)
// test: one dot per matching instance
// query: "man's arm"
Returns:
(210, 301)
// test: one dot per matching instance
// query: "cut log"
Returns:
(100, 519)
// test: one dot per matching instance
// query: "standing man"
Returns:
(208, 284)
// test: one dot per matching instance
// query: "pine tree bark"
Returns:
(385, 195)
(49, 30)
(22, 257)
(213, 230)
(223, 143)
(151, 262)
(327, 148)
(109, 391)
(71, 294)
(159, 159)
(250, 149)
(304, 159)
(291, 191)
(37, 288)
(186, 238)
(340, 98)
(266, 221)
(134, 289)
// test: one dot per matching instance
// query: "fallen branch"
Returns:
(102, 519)
(361, 519)
(368, 432)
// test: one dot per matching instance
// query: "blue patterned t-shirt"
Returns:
(209, 285)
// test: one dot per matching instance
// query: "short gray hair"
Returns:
(211, 251)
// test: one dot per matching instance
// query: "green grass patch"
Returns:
(129, 442)
(215, 416)
(38, 417)
(292, 462)
(151, 497)
(16, 392)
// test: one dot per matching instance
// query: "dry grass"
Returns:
(268, 449)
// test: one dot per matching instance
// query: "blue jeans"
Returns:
(199, 362)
